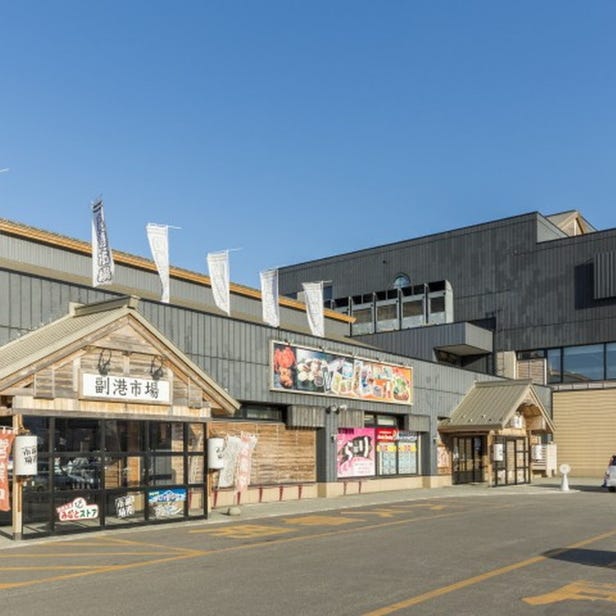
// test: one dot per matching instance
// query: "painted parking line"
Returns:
(245, 531)
(477, 579)
(320, 520)
(153, 553)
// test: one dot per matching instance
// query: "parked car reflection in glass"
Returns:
(75, 474)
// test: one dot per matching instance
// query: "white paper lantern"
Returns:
(215, 448)
(25, 455)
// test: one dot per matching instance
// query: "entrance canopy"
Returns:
(496, 405)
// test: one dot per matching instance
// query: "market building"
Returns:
(146, 411)
(527, 297)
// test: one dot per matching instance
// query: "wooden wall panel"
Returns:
(281, 455)
(585, 430)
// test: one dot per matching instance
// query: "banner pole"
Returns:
(17, 492)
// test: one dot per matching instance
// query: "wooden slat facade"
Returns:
(281, 455)
(585, 430)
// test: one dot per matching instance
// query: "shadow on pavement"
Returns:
(591, 558)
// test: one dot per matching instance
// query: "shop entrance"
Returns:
(514, 468)
(103, 473)
(468, 459)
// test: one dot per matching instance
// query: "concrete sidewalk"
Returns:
(539, 487)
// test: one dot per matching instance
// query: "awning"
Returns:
(492, 405)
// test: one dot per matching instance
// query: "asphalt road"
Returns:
(545, 553)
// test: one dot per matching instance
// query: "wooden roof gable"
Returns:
(108, 332)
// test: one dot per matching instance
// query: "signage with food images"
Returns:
(307, 370)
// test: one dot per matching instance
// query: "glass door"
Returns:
(468, 459)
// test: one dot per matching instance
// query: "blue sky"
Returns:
(297, 130)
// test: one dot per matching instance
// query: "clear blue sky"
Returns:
(297, 130)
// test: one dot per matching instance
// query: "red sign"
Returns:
(388, 435)
(6, 440)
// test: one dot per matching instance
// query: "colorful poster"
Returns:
(407, 453)
(387, 450)
(355, 449)
(6, 440)
(167, 503)
(312, 371)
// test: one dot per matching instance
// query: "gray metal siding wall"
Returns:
(541, 294)
(234, 353)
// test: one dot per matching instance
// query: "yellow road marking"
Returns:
(68, 576)
(80, 554)
(246, 531)
(320, 520)
(183, 554)
(577, 591)
(383, 512)
(443, 590)
(47, 568)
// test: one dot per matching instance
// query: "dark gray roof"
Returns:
(490, 405)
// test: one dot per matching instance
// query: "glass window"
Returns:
(408, 453)
(77, 512)
(262, 412)
(40, 427)
(166, 470)
(610, 360)
(196, 437)
(413, 309)
(77, 435)
(531, 354)
(437, 304)
(386, 420)
(124, 436)
(124, 471)
(76, 472)
(124, 507)
(400, 281)
(196, 465)
(583, 363)
(196, 501)
(387, 312)
(554, 366)
(166, 436)
(363, 315)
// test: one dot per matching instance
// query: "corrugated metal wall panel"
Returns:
(419, 423)
(605, 275)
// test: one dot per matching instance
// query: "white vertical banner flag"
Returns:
(269, 297)
(218, 266)
(159, 245)
(102, 259)
(313, 292)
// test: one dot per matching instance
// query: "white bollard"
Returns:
(564, 469)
